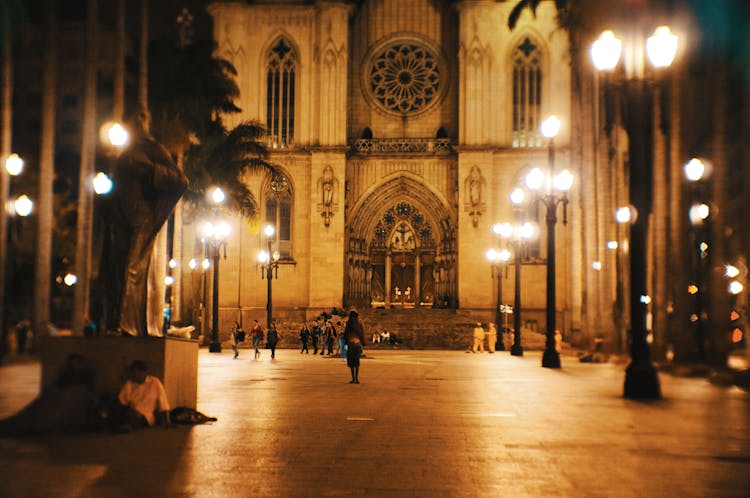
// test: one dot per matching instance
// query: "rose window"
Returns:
(404, 78)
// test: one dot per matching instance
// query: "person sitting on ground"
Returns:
(375, 338)
(385, 337)
(143, 400)
(67, 406)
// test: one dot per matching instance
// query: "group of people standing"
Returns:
(347, 343)
(479, 336)
(326, 335)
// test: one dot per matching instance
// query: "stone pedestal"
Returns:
(174, 361)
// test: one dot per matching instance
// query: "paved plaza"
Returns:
(421, 423)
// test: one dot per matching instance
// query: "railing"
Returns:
(401, 145)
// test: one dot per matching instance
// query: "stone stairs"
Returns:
(418, 328)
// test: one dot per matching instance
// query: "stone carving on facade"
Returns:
(474, 187)
(404, 77)
(328, 193)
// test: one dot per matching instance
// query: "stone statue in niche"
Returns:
(328, 191)
(473, 187)
(146, 187)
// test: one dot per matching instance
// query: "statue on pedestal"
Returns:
(147, 185)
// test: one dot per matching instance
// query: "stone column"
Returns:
(417, 279)
(387, 287)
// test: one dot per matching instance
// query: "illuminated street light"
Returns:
(23, 205)
(556, 193)
(641, 379)
(498, 259)
(735, 287)
(102, 183)
(70, 280)
(217, 195)
(14, 164)
(731, 271)
(269, 261)
(114, 134)
(215, 237)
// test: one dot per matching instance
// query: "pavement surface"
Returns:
(420, 424)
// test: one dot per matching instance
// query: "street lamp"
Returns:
(520, 233)
(641, 380)
(498, 258)
(269, 262)
(215, 237)
(551, 190)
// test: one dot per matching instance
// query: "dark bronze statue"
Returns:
(147, 186)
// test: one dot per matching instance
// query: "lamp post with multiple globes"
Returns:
(269, 262)
(641, 380)
(550, 190)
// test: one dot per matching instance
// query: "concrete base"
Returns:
(174, 361)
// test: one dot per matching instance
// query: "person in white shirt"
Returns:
(143, 399)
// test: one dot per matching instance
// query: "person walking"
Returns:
(257, 333)
(492, 338)
(478, 338)
(341, 349)
(316, 336)
(330, 336)
(273, 338)
(237, 336)
(354, 336)
(304, 336)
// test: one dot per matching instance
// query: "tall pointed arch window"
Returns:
(527, 94)
(279, 205)
(280, 96)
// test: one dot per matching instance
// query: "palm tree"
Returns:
(46, 177)
(85, 193)
(191, 90)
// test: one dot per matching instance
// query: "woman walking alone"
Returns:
(354, 336)
(273, 338)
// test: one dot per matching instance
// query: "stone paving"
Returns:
(421, 424)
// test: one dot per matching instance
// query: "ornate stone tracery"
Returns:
(404, 77)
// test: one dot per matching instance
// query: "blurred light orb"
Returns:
(23, 205)
(102, 183)
(14, 164)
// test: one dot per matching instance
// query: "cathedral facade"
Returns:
(399, 128)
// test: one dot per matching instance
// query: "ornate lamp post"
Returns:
(641, 380)
(269, 262)
(520, 233)
(498, 259)
(554, 193)
(215, 237)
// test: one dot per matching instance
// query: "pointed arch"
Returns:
(401, 227)
(528, 60)
(281, 69)
(278, 209)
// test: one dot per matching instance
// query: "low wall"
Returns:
(174, 361)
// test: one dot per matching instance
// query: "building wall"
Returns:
(337, 44)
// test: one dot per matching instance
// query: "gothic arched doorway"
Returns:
(401, 249)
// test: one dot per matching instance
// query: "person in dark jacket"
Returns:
(304, 336)
(272, 337)
(354, 336)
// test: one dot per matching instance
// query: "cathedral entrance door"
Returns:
(403, 290)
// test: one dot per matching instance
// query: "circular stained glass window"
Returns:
(404, 77)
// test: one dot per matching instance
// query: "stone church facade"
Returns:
(400, 128)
